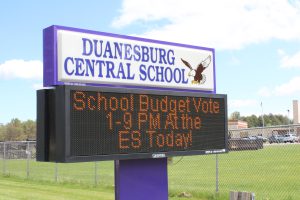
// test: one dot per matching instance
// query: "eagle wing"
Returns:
(204, 64)
(187, 64)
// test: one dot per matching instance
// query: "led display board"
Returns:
(80, 123)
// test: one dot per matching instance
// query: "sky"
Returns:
(257, 45)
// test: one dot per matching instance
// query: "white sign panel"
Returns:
(85, 57)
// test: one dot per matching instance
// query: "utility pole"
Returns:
(263, 120)
(289, 120)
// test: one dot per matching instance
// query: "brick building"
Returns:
(237, 124)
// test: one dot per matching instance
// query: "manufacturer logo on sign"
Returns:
(158, 155)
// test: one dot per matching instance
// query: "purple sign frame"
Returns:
(50, 57)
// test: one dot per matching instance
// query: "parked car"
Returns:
(290, 137)
(264, 139)
(249, 138)
(276, 139)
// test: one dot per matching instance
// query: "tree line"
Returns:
(260, 121)
(16, 130)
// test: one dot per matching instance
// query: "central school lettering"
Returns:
(114, 60)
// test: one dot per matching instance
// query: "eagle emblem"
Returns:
(199, 78)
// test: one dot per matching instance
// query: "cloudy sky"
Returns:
(257, 44)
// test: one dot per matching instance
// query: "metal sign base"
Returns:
(145, 179)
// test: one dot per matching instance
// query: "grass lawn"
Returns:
(272, 173)
(20, 189)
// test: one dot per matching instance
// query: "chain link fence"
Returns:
(263, 161)
(17, 158)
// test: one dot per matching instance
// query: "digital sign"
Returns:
(79, 123)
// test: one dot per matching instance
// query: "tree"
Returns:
(235, 116)
(251, 120)
(17, 130)
(2, 132)
(14, 130)
(269, 120)
(29, 129)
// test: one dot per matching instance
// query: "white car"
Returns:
(290, 138)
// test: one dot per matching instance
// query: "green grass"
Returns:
(17, 189)
(79, 173)
(272, 173)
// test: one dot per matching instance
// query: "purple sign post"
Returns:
(83, 57)
(145, 179)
